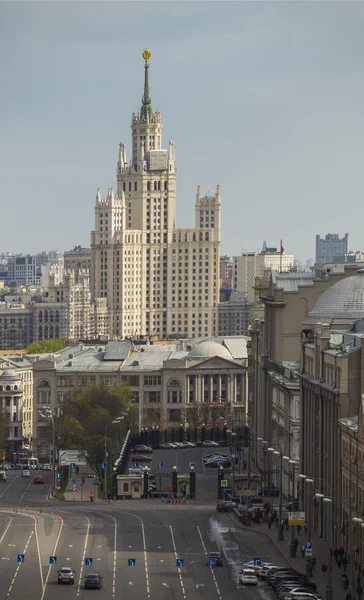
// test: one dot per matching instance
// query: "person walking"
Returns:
(338, 562)
(345, 581)
(303, 548)
(336, 554)
(313, 564)
(345, 563)
(324, 569)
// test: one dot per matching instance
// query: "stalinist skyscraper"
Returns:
(157, 280)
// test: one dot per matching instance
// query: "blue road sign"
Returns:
(131, 562)
(103, 466)
(160, 465)
(88, 562)
(240, 457)
(192, 464)
(52, 560)
(73, 465)
(219, 463)
(58, 476)
(212, 562)
(308, 545)
(136, 466)
(20, 558)
(74, 481)
(257, 561)
(248, 499)
(180, 562)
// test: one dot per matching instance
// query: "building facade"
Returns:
(16, 397)
(245, 269)
(330, 246)
(16, 325)
(235, 315)
(22, 271)
(158, 280)
(78, 260)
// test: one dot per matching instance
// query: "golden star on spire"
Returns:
(146, 55)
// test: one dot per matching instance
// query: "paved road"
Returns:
(153, 534)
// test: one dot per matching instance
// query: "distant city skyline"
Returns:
(264, 99)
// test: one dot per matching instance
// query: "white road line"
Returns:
(38, 551)
(54, 554)
(178, 568)
(9, 484)
(28, 486)
(6, 528)
(114, 561)
(211, 568)
(18, 567)
(84, 554)
(144, 550)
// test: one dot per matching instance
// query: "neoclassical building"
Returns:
(189, 382)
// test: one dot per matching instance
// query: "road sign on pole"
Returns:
(103, 466)
(160, 465)
(219, 463)
(58, 476)
(308, 545)
(180, 562)
(20, 558)
(131, 562)
(192, 464)
(257, 561)
(74, 481)
(248, 499)
(88, 562)
(212, 562)
(296, 518)
(52, 560)
(73, 466)
(224, 483)
(136, 465)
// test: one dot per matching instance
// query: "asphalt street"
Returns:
(147, 534)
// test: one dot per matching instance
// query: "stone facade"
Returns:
(235, 315)
(16, 396)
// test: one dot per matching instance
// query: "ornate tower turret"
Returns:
(146, 110)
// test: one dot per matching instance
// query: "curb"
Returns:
(267, 536)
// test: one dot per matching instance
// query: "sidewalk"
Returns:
(320, 552)
(82, 491)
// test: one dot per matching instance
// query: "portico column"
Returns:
(219, 387)
(211, 388)
(187, 390)
(202, 388)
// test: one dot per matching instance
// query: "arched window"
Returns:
(40, 332)
(135, 187)
(57, 316)
(46, 333)
(15, 387)
(40, 316)
(43, 383)
(165, 186)
(174, 392)
(57, 332)
(159, 185)
(51, 332)
(46, 316)
(129, 186)
(8, 388)
(123, 186)
(155, 185)
(148, 186)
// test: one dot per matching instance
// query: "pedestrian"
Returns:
(341, 552)
(345, 563)
(313, 564)
(358, 578)
(339, 563)
(92, 496)
(269, 522)
(298, 529)
(305, 528)
(303, 547)
(324, 569)
(344, 579)
(336, 554)
(348, 595)
(286, 524)
(108, 497)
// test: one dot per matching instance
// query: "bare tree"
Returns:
(152, 417)
(192, 414)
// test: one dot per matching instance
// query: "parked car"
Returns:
(304, 596)
(66, 575)
(210, 443)
(225, 506)
(215, 556)
(39, 479)
(190, 445)
(248, 577)
(141, 458)
(93, 581)
(168, 446)
(263, 574)
(293, 592)
(47, 467)
(143, 449)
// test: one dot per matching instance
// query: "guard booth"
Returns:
(129, 486)
(183, 485)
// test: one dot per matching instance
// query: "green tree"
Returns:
(4, 431)
(86, 415)
(46, 346)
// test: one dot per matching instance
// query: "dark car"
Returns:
(225, 506)
(93, 581)
(39, 479)
(215, 556)
(141, 458)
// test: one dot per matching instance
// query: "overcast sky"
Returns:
(264, 98)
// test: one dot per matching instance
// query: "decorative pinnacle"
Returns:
(146, 55)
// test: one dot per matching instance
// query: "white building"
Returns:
(158, 280)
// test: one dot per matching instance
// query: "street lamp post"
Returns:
(117, 420)
(49, 413)
(292, 545)
(308, 555)
(328, 591)
(280, 537)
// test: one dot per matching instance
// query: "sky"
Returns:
(264, 98)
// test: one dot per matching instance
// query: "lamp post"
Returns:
(111, 422)
(355, 521)
(280, 537)
(301, 478)
(308, 555)
(49, 413)
(264, 448)
(269, 452)
(328, 591)
(292, 545)
(258, 439)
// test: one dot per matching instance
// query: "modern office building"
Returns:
(235, 315)
(330, 246)
(22, 271)
(158, 280)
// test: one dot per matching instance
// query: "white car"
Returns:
(168, 446)
(190, 445)
(25, 473)
(263, 574)
(248, 577)
(210, 443)
(47, 467)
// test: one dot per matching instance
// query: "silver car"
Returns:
(66, 575)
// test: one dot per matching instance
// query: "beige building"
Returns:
(16, 325)
(16, 396)
(77, 260)
(245, 269)
(193, 381)
(158, 280)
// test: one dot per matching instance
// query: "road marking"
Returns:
(115, 544)
(198, 585)
(9, 484)
(211, 568)
(144, 550)
(84, 554)
(178, 568)
(165, 585)
(131, 583)
(54, 553)
(18, 567)
(11, 545)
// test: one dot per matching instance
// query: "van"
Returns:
(2, 476)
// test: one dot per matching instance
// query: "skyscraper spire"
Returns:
(146, 110)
